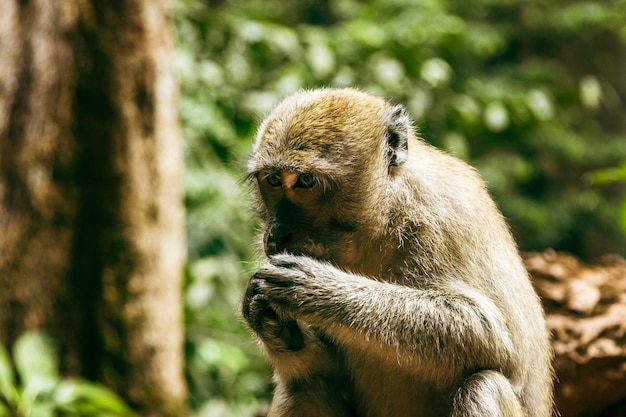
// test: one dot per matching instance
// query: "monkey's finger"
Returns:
(285, 260)
(253, 288)
(279, 276)
(259, 313)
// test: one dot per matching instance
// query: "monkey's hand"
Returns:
(298, 286)
(296, 349)
(278, 333)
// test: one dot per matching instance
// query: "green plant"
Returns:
(612, 176)
(31, 385)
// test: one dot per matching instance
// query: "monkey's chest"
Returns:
(381, 389)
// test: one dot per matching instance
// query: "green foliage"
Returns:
(613, 175)
(529, 92)
(31, 386)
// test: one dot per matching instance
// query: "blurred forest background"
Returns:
(532, 93)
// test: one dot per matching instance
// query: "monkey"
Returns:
(393, 286)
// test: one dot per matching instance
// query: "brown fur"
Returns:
(393, 287)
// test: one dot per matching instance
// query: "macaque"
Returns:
(393, 286)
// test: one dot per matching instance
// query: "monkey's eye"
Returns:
(273, 179)
(307, 180)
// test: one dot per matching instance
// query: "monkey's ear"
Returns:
(397, 124)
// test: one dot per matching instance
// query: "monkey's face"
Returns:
(320, 164)
(299, 217)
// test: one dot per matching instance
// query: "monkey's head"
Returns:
(322, 163)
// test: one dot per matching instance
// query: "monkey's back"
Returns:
(461, 239)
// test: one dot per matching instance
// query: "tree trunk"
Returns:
(91, 215)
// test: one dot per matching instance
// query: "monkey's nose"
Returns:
(277, 244)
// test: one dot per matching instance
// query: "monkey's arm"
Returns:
(442, 327)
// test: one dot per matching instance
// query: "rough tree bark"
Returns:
(91, 216)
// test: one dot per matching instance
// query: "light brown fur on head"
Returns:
(309, 127)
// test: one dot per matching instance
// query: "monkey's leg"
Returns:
(316, 397)
(486, 394)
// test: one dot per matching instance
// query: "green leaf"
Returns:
(608, 175)
(622, 216)
(35, 356)
(8, 390)
(221, 355)
(87, 399)
(41, 409)
(36, 361)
